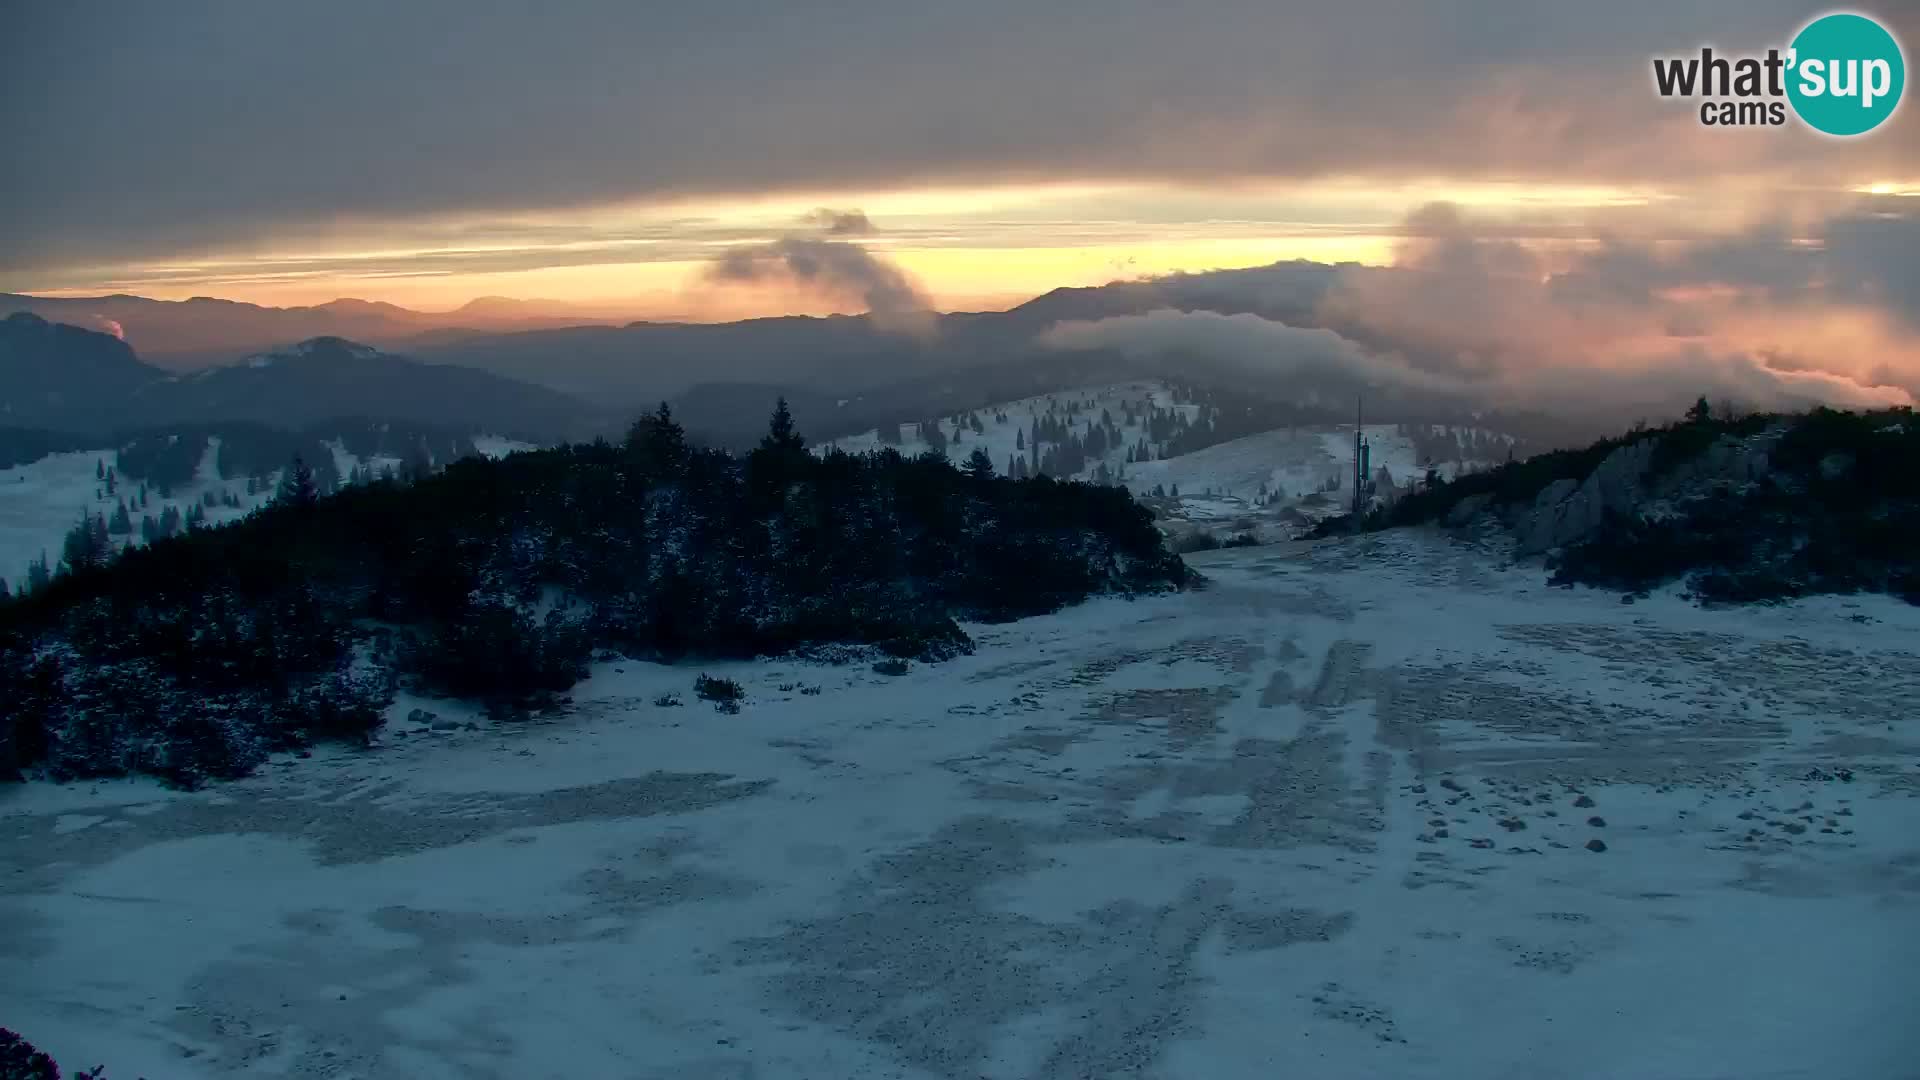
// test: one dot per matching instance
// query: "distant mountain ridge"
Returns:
(581, 351)
(67, 378)
(183, 335)
(841, 374)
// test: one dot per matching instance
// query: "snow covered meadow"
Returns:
(1009, 438)
(1371, 808)
(41, 500)
(1267, 483)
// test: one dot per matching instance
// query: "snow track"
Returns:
(1328, 817)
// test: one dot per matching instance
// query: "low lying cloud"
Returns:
(832, 270)
(1243, 340)
(106, 325)
(1767, 318)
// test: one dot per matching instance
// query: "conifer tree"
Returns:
(87, 545)
(38, 574)
(296, 485)
(658, 443)
(780, 434)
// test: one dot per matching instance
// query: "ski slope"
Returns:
(1329, 817)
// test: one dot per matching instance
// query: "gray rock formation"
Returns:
(1566, 510)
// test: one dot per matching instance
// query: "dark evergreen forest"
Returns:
(197, 655)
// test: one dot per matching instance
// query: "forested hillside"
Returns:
(1756, 507)
(196, 655)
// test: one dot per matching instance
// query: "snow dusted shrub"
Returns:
(708, 688)
(929, 638)
(346, 704)
(667, 701)
(80, 716)
(496, 651)
(891, 666)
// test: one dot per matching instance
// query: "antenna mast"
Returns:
(1359, 461)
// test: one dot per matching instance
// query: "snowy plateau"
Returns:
(1373, 807)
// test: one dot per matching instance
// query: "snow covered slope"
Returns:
(498, 446)
(40, 501)
(1007, 428)
(1270, 479)
(1373, 809)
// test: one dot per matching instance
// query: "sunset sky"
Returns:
(607, 155)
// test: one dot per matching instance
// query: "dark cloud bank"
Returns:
(170, 129)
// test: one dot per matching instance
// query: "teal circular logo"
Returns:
(1846, 73)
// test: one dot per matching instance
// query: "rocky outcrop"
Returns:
(1730, 460)
(1566, 510)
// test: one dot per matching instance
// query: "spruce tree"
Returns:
(780, 434)
(658, 444)
(86, 546)
(296, 485)
(980, 464)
